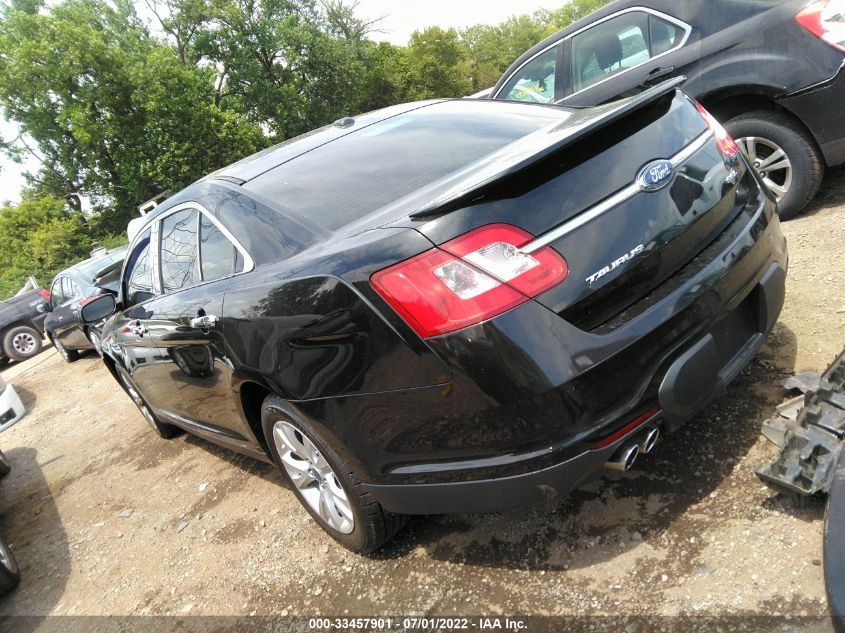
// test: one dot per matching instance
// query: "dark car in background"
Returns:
(454, 305)
(770, 70)
(71, 289)
(22, 325)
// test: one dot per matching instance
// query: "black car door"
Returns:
(192, 375)
(620, 55)
(64, 319)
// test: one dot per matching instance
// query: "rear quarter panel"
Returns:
(307, 328)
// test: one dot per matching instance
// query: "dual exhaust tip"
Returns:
(625, 456)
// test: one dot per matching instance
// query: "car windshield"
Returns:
(345, 180)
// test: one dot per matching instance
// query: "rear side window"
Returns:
(70, 289)
(664, 35)
(179, 266)
(218, 256)
(609, 48)
(534, 82)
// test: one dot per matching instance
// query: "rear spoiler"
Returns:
(535, 147)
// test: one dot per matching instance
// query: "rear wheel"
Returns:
(783, 154)
(324, 483)
(21, 343)
(68, 354)
(9, 574)
(164, 430)
(5, 466)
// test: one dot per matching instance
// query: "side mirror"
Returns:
(45, 307)
(98, 309)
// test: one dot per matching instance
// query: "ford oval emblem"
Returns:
(655, 175)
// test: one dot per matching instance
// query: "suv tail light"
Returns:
(727, 146)
(826, 20)
(468, 280)
(44, 294)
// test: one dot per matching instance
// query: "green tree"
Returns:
(279, 66)
(437, 64)
(38, 237)
(113, 112)
(570, 12)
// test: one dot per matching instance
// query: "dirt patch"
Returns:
(108, 519)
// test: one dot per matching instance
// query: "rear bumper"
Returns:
(820, 109)
(693, 378)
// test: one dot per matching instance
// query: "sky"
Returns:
(401, 18)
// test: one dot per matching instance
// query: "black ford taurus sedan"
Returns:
(454, 305)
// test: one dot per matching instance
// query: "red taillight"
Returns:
(727, 146)
(826, 20)
(468, 280)
(43, 293)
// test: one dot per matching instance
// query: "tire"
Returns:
(69, 355)
(10, 575)
(332, 479)
(21, 343)
(163, 429)
(773, 131)
(5, 466)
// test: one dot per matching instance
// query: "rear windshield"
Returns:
(89, 269)
(347, 179)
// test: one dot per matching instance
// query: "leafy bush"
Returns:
(39, 238)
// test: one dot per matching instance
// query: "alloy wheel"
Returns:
(95, 341)
(60, 349)
(313, 476)
(24, 343)
(6, 558)
(770, 162)
(138, 400)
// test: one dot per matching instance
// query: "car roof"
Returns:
(256, 164)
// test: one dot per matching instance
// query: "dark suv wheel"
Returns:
(21, 342)
(324, 483)
(784, 155)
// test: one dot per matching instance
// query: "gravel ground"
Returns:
(107, 519)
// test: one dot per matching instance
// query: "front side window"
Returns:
(218, 255)
(56, 293)
(179, 265)
(534, 82)
(139, 272)
(609, 49)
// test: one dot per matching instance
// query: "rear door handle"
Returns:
(658, 73)
(204, 322)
